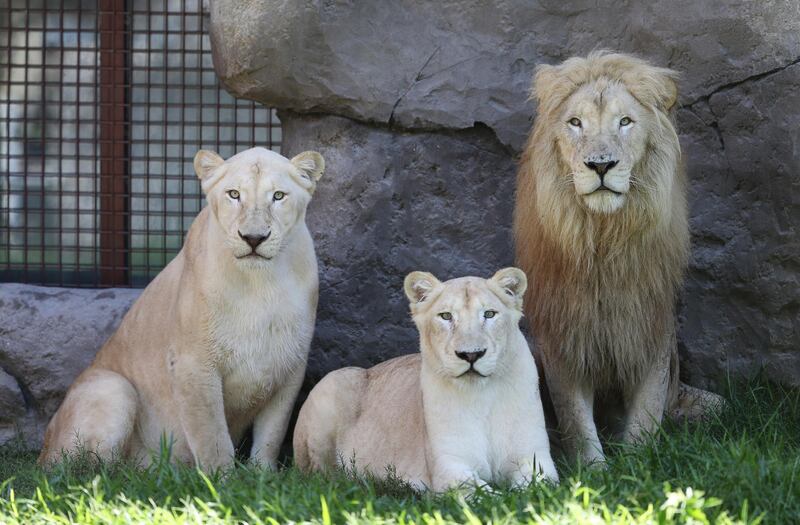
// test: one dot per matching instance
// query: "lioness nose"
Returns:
(254, 240)
(471, 357)
(601, 168)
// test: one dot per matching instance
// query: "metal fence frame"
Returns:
(102, 106)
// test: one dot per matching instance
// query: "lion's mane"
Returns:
(603, 287)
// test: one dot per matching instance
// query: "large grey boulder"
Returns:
(392, 203)
(450, 64)
(47, 337)
(436, 96)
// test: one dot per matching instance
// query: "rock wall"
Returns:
(420, 109)
(391, 204)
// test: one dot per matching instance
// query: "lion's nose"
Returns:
(601, 168)
(472, 356)
(254, 240)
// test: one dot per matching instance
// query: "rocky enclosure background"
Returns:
(420, 109)
(47, 337)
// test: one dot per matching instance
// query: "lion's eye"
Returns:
(447, 316)
(625, 121)
(233, 194)
(278, 195)
(575, 121)
(488, 314)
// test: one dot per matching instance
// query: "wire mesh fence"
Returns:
(103, 105)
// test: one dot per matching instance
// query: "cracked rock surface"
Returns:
(420, 172)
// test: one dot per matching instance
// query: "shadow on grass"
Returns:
(746, 460)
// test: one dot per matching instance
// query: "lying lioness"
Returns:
(465, 410)
(219, 340)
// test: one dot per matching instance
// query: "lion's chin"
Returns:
(253, 260)
(604, 201)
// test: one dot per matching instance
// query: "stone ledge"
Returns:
(47, 337)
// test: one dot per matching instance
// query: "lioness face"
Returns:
(464, 324)
(603, 136)
(257, 197)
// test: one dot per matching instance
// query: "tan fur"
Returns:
(219, 340)
(604, 267)
(434, 418)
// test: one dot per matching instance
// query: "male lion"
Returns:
(219, 340)
(601, 231)
(465, 410)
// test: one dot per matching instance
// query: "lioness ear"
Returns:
(418, 285)
(205, 162)
(513, 282)
(311, 165)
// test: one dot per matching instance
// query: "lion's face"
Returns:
(603, 136)
(257, 197)
(465, 323)
(603, 114)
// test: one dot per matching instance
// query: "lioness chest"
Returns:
(487, 430)
(258, 341)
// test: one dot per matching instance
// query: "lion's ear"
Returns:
(311, 166)
(418, 285)
(513, 282)
(654, 86)
(550, 87)
(544, 79)
(205, 162)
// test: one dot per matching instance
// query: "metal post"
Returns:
(114, 188)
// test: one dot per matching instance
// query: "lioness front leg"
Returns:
(452, 473)
(574, 406)
(528, 470)
(645, 402)
(198, 392)
(270, 425)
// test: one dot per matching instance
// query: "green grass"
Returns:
(741, 467)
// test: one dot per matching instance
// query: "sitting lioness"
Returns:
(466, 410)
(219, 340)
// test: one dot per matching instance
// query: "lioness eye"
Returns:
(575, 121)
(233, 194)
(488, 314)
(625, 121)
(278, 195)
(447, 316)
